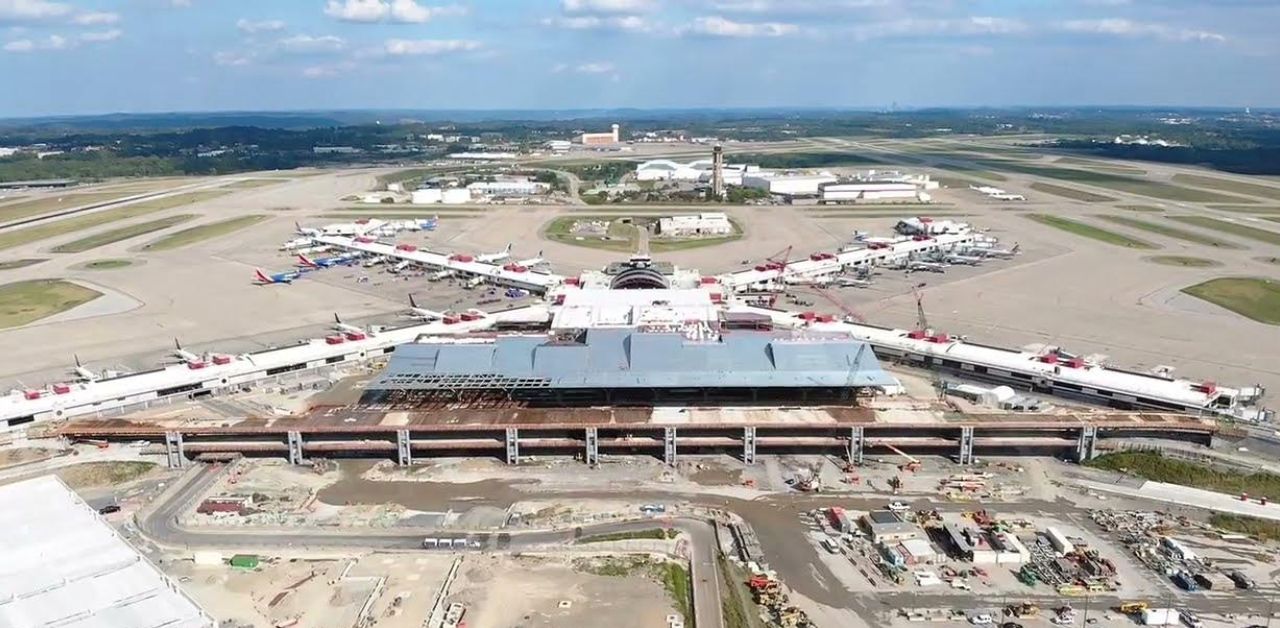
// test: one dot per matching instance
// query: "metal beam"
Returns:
(513, 445)
(1087, 446)
(669, 445)
(295, 447)
(966, 445)
(749, 444)
(404, 453)
(857, 443)
(593, 447)
(173, 449)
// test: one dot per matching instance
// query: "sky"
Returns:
(100, 56)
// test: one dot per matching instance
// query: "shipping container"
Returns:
(245, 561)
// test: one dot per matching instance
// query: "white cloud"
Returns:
(400, 11)
(32, 10)
(307, 44)
(594, 68)
(795, 6)
(52, 42)
(264, 26)
(1120, 27)
(94, 18)
(326, 71)
(101, 36)
(628, 23)
(608, 6)
(716, 26)
(414, 47)
(232, 58)
(958, 27)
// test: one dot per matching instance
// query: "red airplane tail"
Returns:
(306, 261)
(257, 273)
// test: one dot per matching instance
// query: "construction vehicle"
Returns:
(1025, 610)
(912, 465)
(1131, 608)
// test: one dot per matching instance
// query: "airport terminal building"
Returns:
(624, 367)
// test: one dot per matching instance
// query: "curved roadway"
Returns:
(160, 523)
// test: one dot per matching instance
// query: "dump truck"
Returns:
(1129, 608)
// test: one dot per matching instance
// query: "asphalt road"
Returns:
(160, 524)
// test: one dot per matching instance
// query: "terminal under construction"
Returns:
(645, 357)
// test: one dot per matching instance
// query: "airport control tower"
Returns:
(717, 172)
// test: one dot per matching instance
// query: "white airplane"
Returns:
(794, 280)
(309, 232)
(964, 260)
(345, 328)
(184, 356)
(400, 266)
(296, 243)
(82, 373)
(490, 258)
(850, 282)
(421, 313)
(1001, 253)
(442, 274)
(533, 261)
(931, 267)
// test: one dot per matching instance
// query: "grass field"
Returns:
(1141, 208)
(1090, 231)
(1260, 528)
(1071, 193)
(10, 239)
(107, 264)
(1117, 182)
(1258, 299)
(112, 473)
(123, 233)
(25, 302)
(1109, 166)
(199, 233)
(1245, 209)
(622, 236)
(249, 184)
(46, 205)
(1244, 231)
(651, 533)
(1184, 261)
(1172, 232)
(1227, 185)
(19, 263)
(1152, 466)
(974, 172)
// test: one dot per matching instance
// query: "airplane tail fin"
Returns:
(1016, 247)
(257, 273)
(78, 364)
(306, 261)
(508, 249)
(412, 303)
(177, 345)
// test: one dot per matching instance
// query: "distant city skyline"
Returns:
(67, 57)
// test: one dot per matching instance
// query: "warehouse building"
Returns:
(704, 224)
(447, 196)
(867, 192)
(66, 566)
(886, 526)
(791, 185)
(601, 139)
(508, 187)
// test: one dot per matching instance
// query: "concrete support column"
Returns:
(295, 447)
(513, 445)
(966, 445)
(857, 442)
(749, 445)
(593, 447)
(404, 453)
(669, 445)
(173, 449)
(1086, 448)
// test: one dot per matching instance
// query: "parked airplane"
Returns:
(183, 355)
(800, 280)
(297, 243)
(442, 274)
(1001, 253)
(345, 259)
(345, 328)
(849, 282)
(965, 260)
(307, 231)
(533, 261)
(400, 266)
(421, 313)
(265, 279)
(490, 258)
(932, 267)
(83, 374)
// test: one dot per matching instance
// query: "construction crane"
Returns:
(913, 464)
(922, 325)
(779, 260)
(848, 311)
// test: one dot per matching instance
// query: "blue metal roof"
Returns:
(620, 358)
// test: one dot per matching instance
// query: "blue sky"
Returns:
(96, 56)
